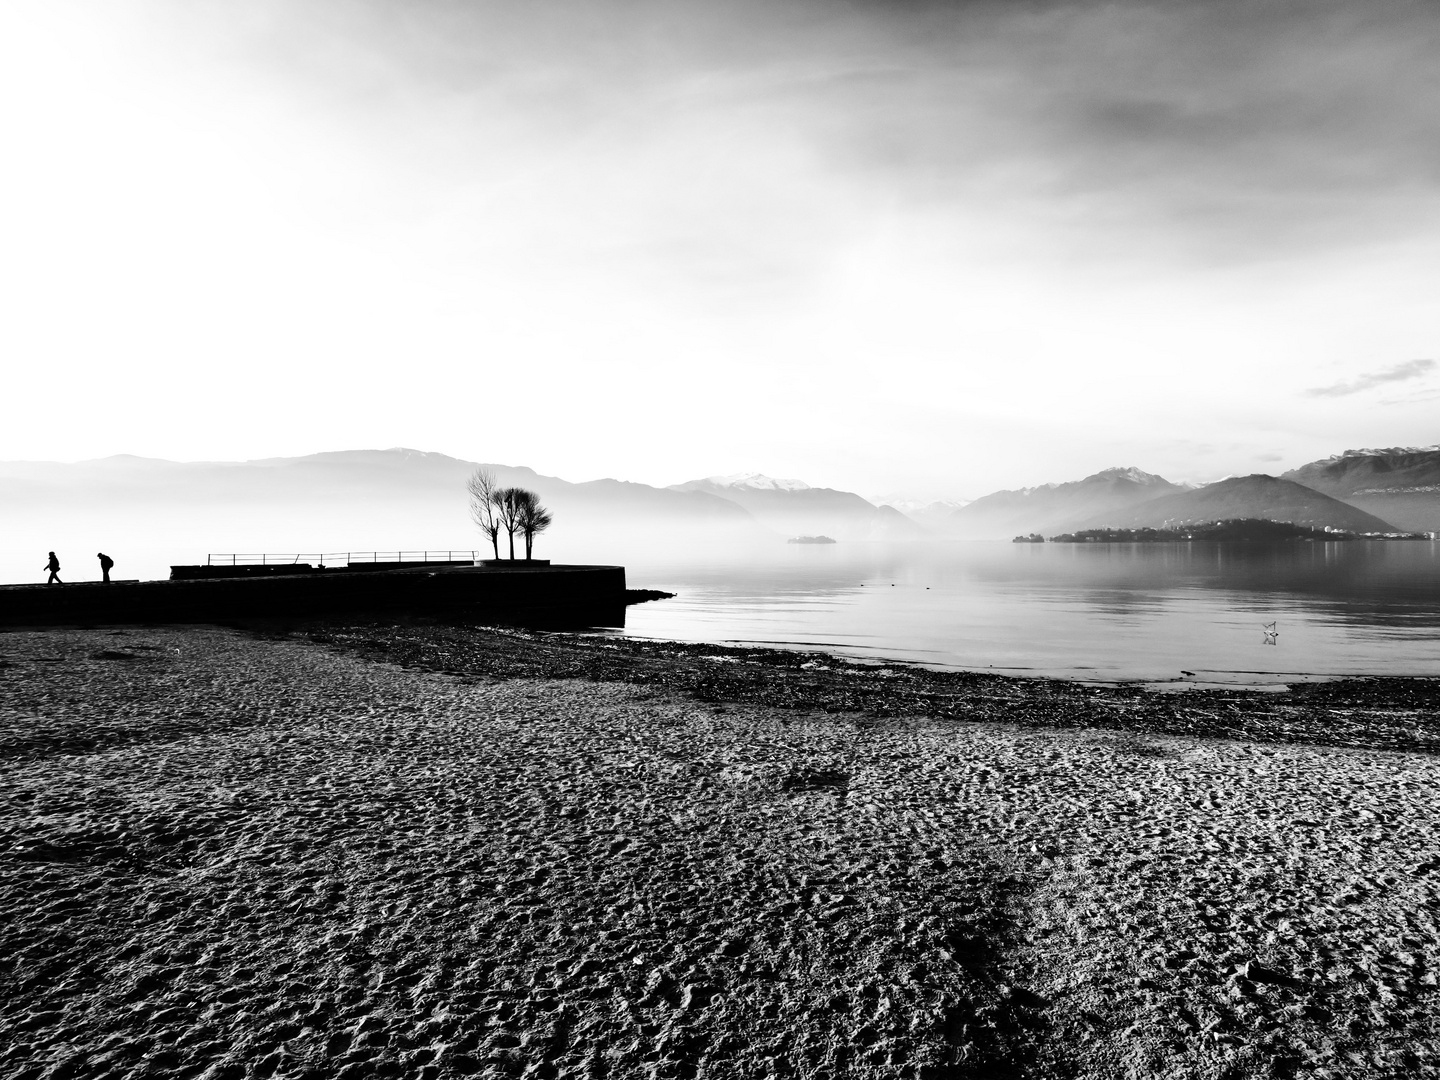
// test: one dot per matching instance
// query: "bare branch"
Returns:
(482, 489)
(508, 507)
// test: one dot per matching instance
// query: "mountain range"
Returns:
(797, 509)
(1053, 508)
(1242, 497)
(335, 481)
(1394, 490)
(150, 513)
(393, 499)
(932, 513)
(1401, 484)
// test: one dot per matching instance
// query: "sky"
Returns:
(921, 247)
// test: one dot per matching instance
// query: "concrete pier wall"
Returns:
(549, 596)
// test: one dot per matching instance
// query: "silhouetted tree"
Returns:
(533, 519)
(508, 504)
(483, 508)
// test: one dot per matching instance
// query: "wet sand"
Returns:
(371, 850)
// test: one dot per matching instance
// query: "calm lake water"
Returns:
(1103, 612)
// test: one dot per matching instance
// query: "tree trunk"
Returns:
(512, 545)
(529, 539)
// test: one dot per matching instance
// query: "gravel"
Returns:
(425, 850)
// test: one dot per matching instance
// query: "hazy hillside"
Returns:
(1401, 484)
(149, 513)
(1053, 508)
(934, 514)
(1256, 496)
(796, 509)
(344, 477)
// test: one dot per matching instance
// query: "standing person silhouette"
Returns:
(53, 565)
(106, 562)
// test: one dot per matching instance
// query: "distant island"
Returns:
(810, 540)
(1252, 529)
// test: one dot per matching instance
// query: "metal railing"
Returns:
(338, 558)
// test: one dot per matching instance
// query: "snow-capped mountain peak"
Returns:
(1382, 452)
(757, 482)
(1131, 473)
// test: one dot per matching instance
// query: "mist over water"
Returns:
(1104, 612)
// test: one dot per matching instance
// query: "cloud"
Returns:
(1217, 130)
(1410, 369)
(1412, 398)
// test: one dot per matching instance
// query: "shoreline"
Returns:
(1320, 713)
(1282, 680)
(362, 849)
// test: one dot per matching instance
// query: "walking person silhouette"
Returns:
(106, 562)
(53, 565)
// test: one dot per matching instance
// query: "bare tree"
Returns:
(483, 508)
(533, 519)
(508, 503)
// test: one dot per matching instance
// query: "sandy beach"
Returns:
(430, 851)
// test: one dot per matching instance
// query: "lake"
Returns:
(1102, 612)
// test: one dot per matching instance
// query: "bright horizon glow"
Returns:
(936, 250)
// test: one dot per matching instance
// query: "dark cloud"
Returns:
(1215, 131)
(1410, 369)
(1227, 131)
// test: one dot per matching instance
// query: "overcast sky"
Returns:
(934, 247)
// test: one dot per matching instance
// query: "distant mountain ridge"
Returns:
(149, 513)
(797, 509)
(754, 482)
(1400, 484)
(932, 513)
(395, 498)
(1257, 496)
(1391, 451)
(1054, 508)
(401, 495)
(1387, 491)
(398, 475)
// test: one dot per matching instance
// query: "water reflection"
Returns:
(1112, 611)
